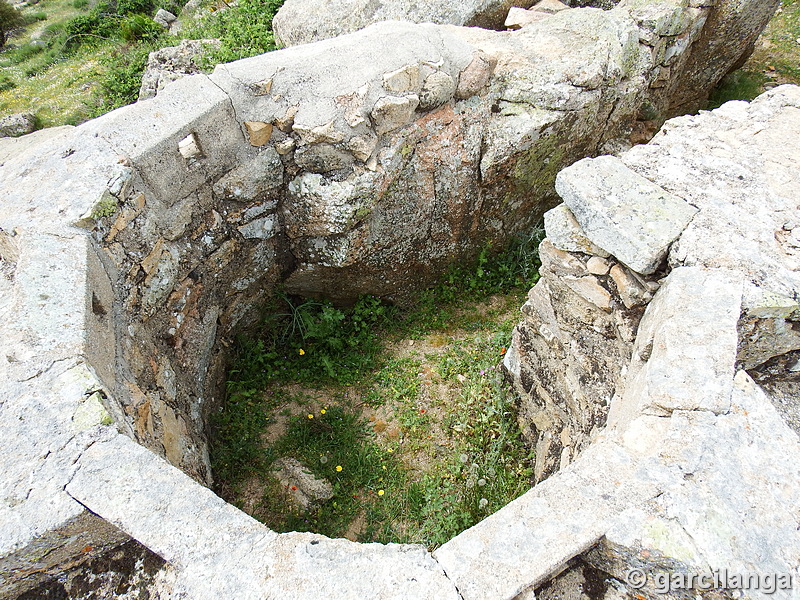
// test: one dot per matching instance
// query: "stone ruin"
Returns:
(654, 363)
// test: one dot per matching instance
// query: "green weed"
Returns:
(244, 29)
(122, 75)
(441, 464)
(739, 85)
(139, 27)
(776, 59)
(515, 268)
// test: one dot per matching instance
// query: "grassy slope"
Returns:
(65, 93)
(105, 71)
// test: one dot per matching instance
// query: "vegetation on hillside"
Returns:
(10, 19)
(71, 60)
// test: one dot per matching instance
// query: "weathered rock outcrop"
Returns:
(604, 4)
(723, 32)
(304, 21)
(726, 42)
(170, 64)
(17, 125)
(725, 29)
(690, 476)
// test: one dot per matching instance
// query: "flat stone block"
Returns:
(622, 212)
(533, 537)
(159, 505)
(565, 233)
(179, 140)
(685, 349)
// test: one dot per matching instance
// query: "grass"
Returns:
(411, 409)
(775, 60)
(59, 89)
(243, 30)
(75, 59)
(66, 93)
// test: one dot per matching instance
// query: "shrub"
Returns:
(6, 83)
(313, 341)
(130, 7)
(10, 19)
(123, 78)
(94, 25)
(173, 6)
(138, 27)
(244, 30)
(80, 4)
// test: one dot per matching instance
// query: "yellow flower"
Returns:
(310, 416)
(323, 411)
(384, 467)
(389, 450)
(301, 352)
(338, 468)
(380, 492)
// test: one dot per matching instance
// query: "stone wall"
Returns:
(574, 351)
(320, 167)
(632, 367)
(695, 472)
(134, 247)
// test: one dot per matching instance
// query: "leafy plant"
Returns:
(314, 341)
(134, 7)
(138, 27)
(123, 74)
(244, 29)
(84, 29)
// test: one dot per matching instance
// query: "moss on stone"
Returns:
(105, 207)
(536, 171)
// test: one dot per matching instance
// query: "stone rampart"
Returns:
(135, 246)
